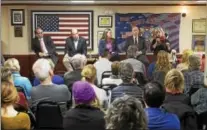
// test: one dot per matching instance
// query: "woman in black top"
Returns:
(86, 113)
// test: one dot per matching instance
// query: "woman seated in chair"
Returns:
(86, 113)
(89, 74)
(10, 118)
(22, 104)
(13, 65)
(161, 67)
(108, 43)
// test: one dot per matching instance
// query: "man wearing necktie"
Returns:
(139, 42)
(44, 47)
(74, 44)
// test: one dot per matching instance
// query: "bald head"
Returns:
(74, 33)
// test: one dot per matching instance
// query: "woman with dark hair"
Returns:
(107, 43)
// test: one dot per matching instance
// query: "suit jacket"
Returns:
(48, 44)
(102, 46)
(70, 46)
(141, 44)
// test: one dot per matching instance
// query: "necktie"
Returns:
(135, 41)
(42, 44)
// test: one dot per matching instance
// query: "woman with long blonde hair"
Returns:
(185, 62)
(163, 63)
(162, 66)
(86, 114)
(89, 74)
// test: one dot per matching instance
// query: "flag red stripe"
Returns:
(73, 25)
(66, 20)
(74, 15)
(69, 30)
(48, 34)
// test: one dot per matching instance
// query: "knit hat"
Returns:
(194, 62)
(83, 92)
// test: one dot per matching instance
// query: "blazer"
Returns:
(70, 46)
(102, 46)
(141, 44)
(48, 44)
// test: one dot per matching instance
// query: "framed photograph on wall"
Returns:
(198, 43)
(99, 35)
(17, 16)
(105, 21)
(199, 25)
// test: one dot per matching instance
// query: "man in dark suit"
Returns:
(44, 47)
(74, 45)
(139, 42)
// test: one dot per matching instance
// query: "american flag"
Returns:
(58, 26)
(165, 23)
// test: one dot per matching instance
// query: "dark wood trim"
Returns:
(31, 4)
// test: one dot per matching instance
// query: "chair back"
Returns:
(48, 115)
(105, 74)
(202, 121)
(108, 88)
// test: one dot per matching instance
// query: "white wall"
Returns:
(13, 45)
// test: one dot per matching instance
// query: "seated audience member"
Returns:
(184, 62)
(10, 118)
(199, 100)
(114, 78)
(56, 79)
(78, 61)
(158, 119)
(126, 113)
(6, 76)
(162, 66)
(137, 65)
(103, 64)
(178, 103)
(194, 78)
(89, 74)
(47, 90)
(13, 65)
(86, 113)
(126, 73)
(174, 85)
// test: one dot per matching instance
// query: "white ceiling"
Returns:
(181, 2)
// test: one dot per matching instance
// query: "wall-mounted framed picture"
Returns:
(18, 31)
(99, 35)
(105, 21)
(198, 43)
(199, 26)
(17, 17)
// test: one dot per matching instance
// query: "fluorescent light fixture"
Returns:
(82, 1)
